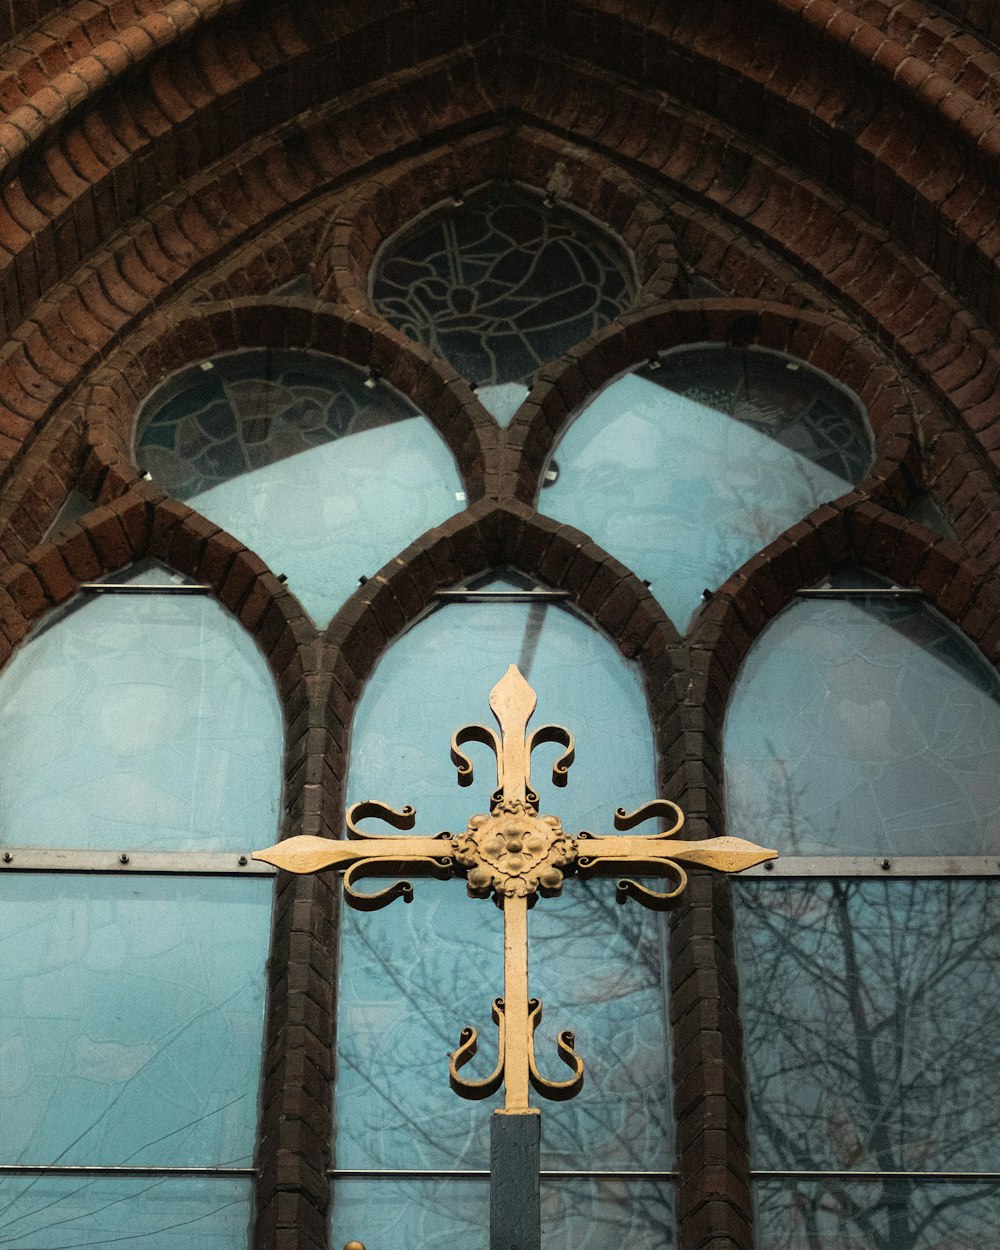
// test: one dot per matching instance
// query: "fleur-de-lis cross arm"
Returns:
(513, 854)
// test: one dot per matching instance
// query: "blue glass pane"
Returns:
(411, 1214)
(577, 1214)
(140, 721)
(324, 477)
(341, 512)
(882, 1215)
(135, 1213)
(927, 512)
(131, 1013)
(501, 284)
(871, 1011)
(865, 727)
(413, 976)
(502, 400)
(685, 472)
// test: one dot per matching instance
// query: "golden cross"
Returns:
(513, 854)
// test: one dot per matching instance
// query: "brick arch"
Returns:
(618, 203)
(181, 337)
(957, 357)
(490, 535)
(143, 524)
(853, 531)
(825, 342)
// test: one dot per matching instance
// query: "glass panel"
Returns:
(865, 727)
(926, 511)
(413, 976)
(595, 1214)
(140, 722)
(501, 284)
(882, 1215)
(75, 506)
(502, 400)
(871, 1011)
(230, 436)
(134, 1213)
(577, 1214)
(685, 472)
(131, 1015)
(412, 1215)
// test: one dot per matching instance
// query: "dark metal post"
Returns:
(515, 1207)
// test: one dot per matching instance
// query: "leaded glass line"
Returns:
(501, 284)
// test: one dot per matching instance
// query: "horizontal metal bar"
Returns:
(861, 592)
(878, 866)
(146, 588)
(459, 1174)
(186, 863)
(502, 596)
(986, 1178)
(29, 1169)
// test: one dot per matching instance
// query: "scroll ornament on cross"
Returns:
(513, 855)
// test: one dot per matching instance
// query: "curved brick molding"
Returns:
(576, 178)
(192, 332)
(825, 342)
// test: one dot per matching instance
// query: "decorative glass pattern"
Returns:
(685, 471)
(140, 722)
(865, 727)
(413, 976)
(129, 1213)
(870, 1014)
(577, 1214)
(502, 284)
(131, 1016)
(238, 413)
(324, 477)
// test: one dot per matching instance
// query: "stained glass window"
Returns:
(324, 472)
(500, 284)
(684, 471)
(413, 976)
(136, 721)
(865, 726)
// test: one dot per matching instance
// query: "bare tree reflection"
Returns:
(599, 969)
(871, 1011)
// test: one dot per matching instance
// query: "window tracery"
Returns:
(324, 471)
(685, 470)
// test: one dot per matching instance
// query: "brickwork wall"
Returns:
(829, 168)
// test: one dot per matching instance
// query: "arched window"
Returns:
(141, 740)
(410, 1157)
(863, 740)
(685, 468)
(500, 283)
(324, 471)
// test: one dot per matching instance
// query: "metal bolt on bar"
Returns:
(186, 863)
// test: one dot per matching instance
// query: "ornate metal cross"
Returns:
(514, 855)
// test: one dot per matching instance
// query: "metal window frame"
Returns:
(896, 866)
(483, 1174)
(124, 862)
(984, 1178)
(123, 1170)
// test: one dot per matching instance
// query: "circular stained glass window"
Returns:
(501, 284)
